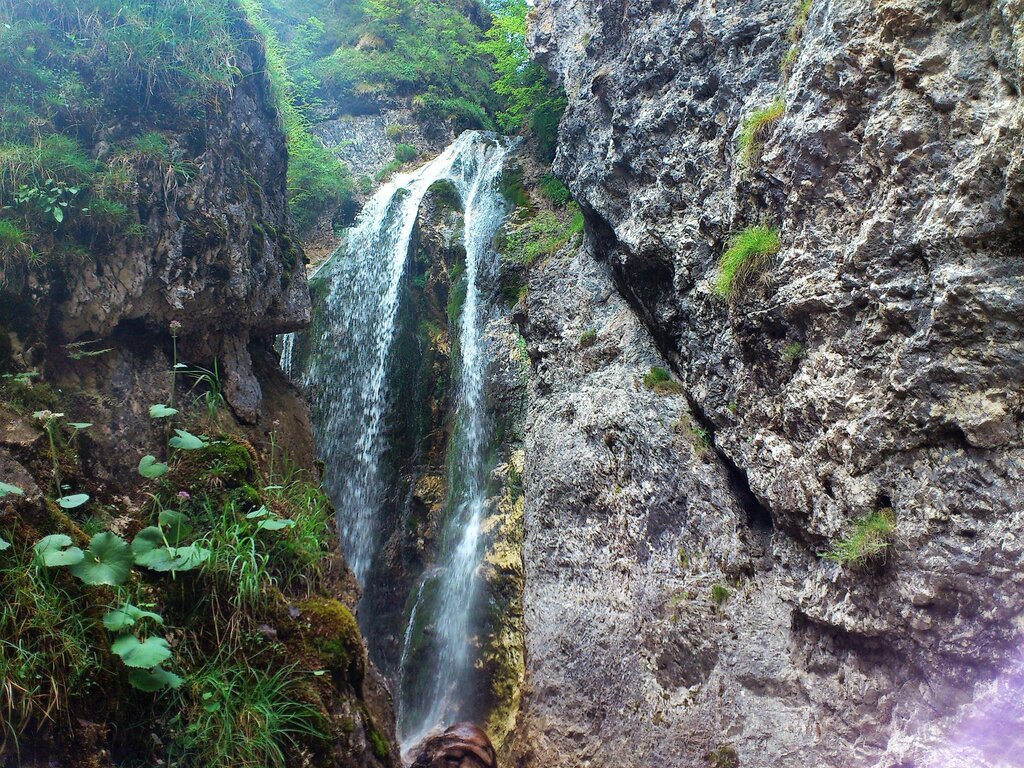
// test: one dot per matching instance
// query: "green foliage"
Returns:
(719, 594)
(660, 380)
(588, 338)
(793, 352)
(385, 173)
(755, 129)
(543, 234)
(869, 540)
(749, 253)
(554, 190)
(108, 560)
(48, 649)
(800, 16)
(232, 714)
(13, 240)
(530, 97)
(395, 131)
(405, 153)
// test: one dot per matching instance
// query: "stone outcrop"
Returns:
(678, 608)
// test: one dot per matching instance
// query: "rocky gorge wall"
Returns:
(678, 610)
(210, 277)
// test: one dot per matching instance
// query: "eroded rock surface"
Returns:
(877, 365)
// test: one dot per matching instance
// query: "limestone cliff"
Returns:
(678, 608)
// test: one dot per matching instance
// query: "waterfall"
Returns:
(344, 360)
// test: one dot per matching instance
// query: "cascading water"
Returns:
(345, 369)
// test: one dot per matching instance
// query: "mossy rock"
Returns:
(225, 463)
(333, 633)
(25, 397)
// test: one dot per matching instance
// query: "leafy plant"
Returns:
(107, 560)
(755, 129)
(868, 541)
(588, 338)
(749, 253)
(186, 441)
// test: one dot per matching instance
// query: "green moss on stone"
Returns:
(332, 632)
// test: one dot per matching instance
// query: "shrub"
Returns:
(405, 153)
(755, 128)
(749, 252)
(395, 131)
(588, 338)
(554, 190)
(660, 380)
(869, 540)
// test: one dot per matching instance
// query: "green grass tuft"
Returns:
(588, 338)
(719, 594)
(755, 129)
(234, 715)
(749, 252)
(793, 352)
(13, 240)
(868, 541)
(660, 380)
(405, 153)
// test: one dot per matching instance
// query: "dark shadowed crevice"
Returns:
(604, 244)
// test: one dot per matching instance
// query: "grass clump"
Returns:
(235, 715)
(48, 649)
(868, 541)
(13, 240)
(755, 128)
(749, 252)
(588, 338)
(719, 594)
(660, 380)
(554, 190)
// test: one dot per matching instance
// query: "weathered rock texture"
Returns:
(896, 179)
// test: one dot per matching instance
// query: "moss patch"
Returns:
(333, 633)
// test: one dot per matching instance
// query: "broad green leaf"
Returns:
(73, 501)
(152, 680)
(150, 468)
(179, 366)
(108, 560)
(189, 558)
(6, 489)
(176, 525)
(56, 551)
(4, 544)
(143, 654)
(151, 551)
(79, 425)
(58, 214)
(276, 524)
(261, 512)
(186, 441)
(161, 411)
(125, 616)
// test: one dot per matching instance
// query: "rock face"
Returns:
(678, 609)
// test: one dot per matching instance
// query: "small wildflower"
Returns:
(184, 495)
(175, 328)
